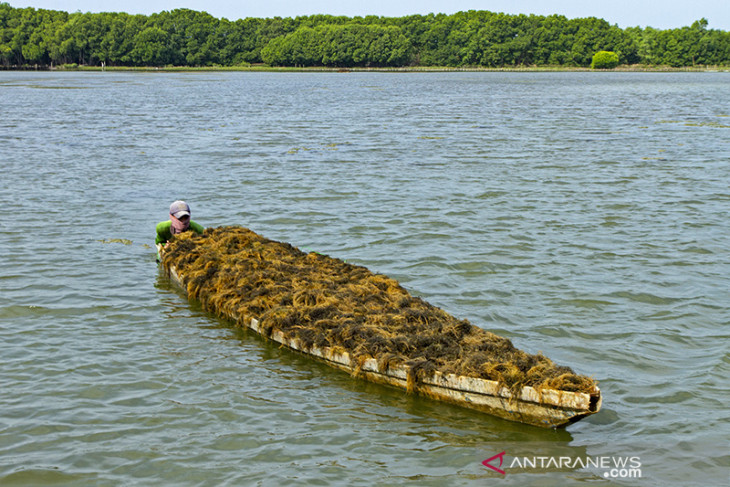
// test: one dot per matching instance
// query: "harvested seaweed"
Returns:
(325, 302)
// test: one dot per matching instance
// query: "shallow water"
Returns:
(583, 215)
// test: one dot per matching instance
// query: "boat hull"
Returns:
(547, 408)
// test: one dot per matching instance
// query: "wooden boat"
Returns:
(542, 407)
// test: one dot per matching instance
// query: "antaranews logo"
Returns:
(487, 462)
(614, 467)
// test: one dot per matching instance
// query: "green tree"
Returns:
(118, 41)
(604, 60)
(340, 46)
(594, 35)
(151, 48)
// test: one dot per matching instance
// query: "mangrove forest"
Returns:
(32, 37)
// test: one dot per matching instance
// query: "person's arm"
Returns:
(163, 233)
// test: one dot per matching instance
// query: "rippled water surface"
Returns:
(584, 215)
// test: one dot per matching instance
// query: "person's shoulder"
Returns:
(197, 227)
(162, 226)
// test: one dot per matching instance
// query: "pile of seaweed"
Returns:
(325, 302)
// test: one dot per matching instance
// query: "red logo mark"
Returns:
(501, 459)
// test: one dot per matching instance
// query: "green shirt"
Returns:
(164, 234)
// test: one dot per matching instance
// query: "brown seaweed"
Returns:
(326, 302)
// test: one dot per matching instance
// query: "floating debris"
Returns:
(706, 124)
(693, 123)
(325, 302)
(322, 148)
(122, 241)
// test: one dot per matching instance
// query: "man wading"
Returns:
(179, 222)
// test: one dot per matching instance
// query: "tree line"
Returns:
(184, 37)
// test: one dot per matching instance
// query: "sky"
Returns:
(660, 14)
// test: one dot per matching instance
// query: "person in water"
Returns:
(179, 222)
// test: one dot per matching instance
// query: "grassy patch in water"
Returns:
(326, 302)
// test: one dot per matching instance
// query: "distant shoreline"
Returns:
(407, 69)
(473, 40)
